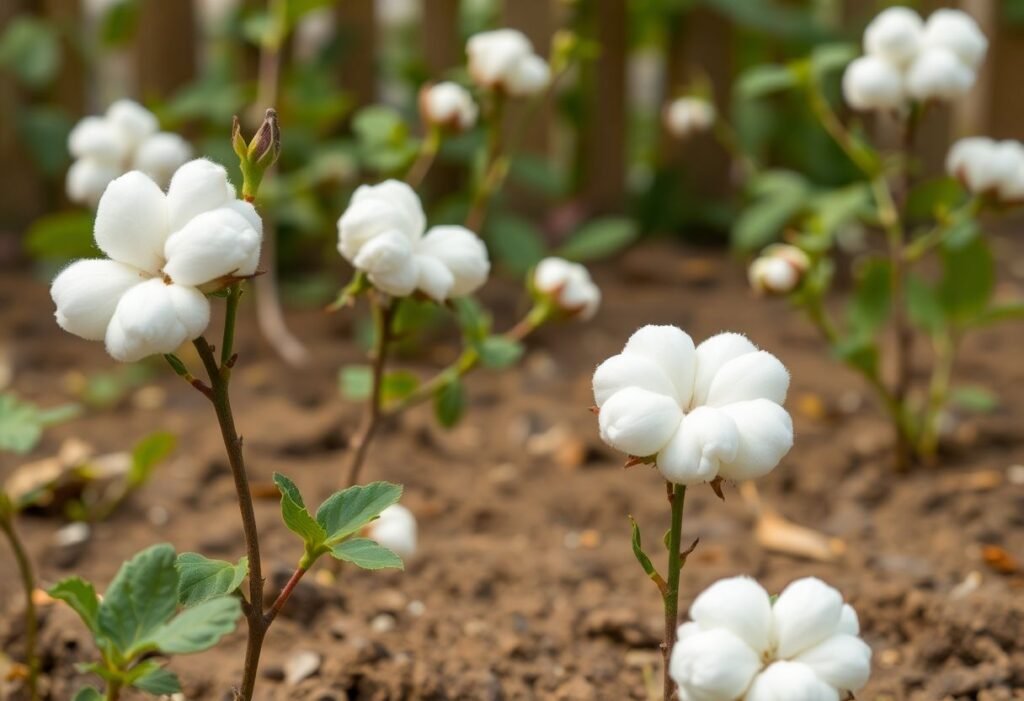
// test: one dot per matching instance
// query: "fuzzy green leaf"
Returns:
(600, 238)
(150, 677)
(296, 516)
(22, 423)
(198, 628)
(147, 453)
(355, 381)
(450, 403)
(347, 511)
(638, 551)
(202, 579)
(142, 596)
(968, 280)
(869, 307)
(81, 597)
(499, 352)
(366, 554)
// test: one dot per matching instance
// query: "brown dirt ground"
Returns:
(525, 583)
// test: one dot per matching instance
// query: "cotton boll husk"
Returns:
(87, 292)
(87, 179)
(711, 355)
(396, 530)
(806, 613)
(212, 245)
(95, 137)
(672, 350)
(198, 186)
(894, 35)
(713, 665)
(154, 318)
(389, 263)
(638, 422)
(790, 681)
(957, 31)
(625, 370)
(872, 83)
(938, 74)
(740, 605)
(843, 661)
(132, 120)
(435, 280)
(758, 375)
(529, 76)
(160, 155)
(706, 438)
(766, 435)
(131, 222)
(462, 252)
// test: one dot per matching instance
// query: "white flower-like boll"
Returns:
(395, 530)
(382, 234)
(569, 286)
(504, 60)
(125, 138)
(739, 646)
(145, 298)
(702, 413)
(873, 83)
(988, 167)
(894, 35)
(779, 269)
(448, 105)
(686, 116)
(956, 31)
(939, 74)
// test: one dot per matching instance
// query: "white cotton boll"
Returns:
(389, 262)
(86, 294)
(849, 623)
(872, 83)
(198, 186)
(843, 661)
(192, 309)
(758, 375)
(790, 681)
(133, 121)
(462, 252)
(686, 116)
(95, 137)
(582, 296)
(711, 355)
(957, 31)
(87, 179)
(493, 54)
(528, 77)
(894, 35)
(766, 435)
(630, 370)
(569, 285)
(705, 439)
(314, 31)
(938, 74)
(211, 246)
(713, 665)
(448, 105)
(740, 605)
(214, 13)
(772, 275)
(671, 349)
(374, 209)
(131, 222)
(151, 319)
(969, 161)
(435, 280)
(638, 422)
(806, 613)
(160, 155)
(395, 530)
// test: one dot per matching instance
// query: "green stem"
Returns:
(835, 128)
(944, 347)
(230, 317)
(922, 245)
(428, 152)
(383, 315)
(113, 690)
(31, 618)
(494, 164)
(677, 497)
(730, 141)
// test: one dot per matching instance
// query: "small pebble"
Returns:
(1015, 474)
(301, 665)
(72, 534)
(416, 608)
(383, 623)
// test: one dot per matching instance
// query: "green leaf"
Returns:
(142, 596)
(600, 238)
(398, 384)
(367, 554)
(999, 312)
(449, 403)
(147, 453)
(202, 579)
(473, 320)
(514, 241)
(869, 306)
(22, 423)
(923, 305)
(859, 352)
(346, 512)
(934, 196)
(835, 208)
(30, 49)
(355, 381)
(150, 677)
(638, 551)
(538, 174)
(499, 352)
(88, 693)
(296, 516)
(973, 398)
(828, 58)
(198, 628)
(43, 131)
(764, 80)
(968, 280)
(81, 597)
(778, 196)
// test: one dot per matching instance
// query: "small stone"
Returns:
(590, 539)
(475, 628)
(1015, 474)
(158, 515)
(383, 623)
(301, 665)
(890, 658)
(389, 601)
(72, 534)
(416, 608)
(150, 397)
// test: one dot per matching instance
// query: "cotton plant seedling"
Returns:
(705, 413)
(743, 645)
(26, 572)
(169, 254)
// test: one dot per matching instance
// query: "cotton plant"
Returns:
(125, 138)
(743, 645)
(702, 413)
(171, 256)
(688, 116)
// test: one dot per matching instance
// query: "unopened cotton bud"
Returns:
(778, 270)
(894, 35)
(939, 74)
(265, 146)
(873, 83)
(686, 116)
(956, 31)
(569, 286)
(448, 106)
(396, 530)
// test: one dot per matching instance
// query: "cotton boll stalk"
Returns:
(872, 83)
(569, 286)
(894, 35)
(687, 116)
(396, 530)
(160, 155)
(713, 666)
(938, 74)
(448, 106)
(778, 270)
(956, 31)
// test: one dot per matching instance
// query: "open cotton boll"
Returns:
(160, 155)
(705, 440)
(96, 137)
(987, 167)
(938, 74)
(213, 245)
(389, 263)
(713, 665)
(87, 179)
(396, 530)
(448, 105)
(504, 59)
(569, 286)
(196, 187)
(87, 292)
(894, 35)
(806, 613)
(154, 317)
(528, 77)
(873, 83)
(957, 31)
(639, 422)
(131, 222)
(841, 661)
(686, 116)
(738, 604)
(134, 121)
(790, 681)
(462, 253)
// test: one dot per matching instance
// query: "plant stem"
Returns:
(944, 348)
(279, 602)
(31, 619)
(113, 690)
(428, 152)
(382, 318)
(493, 166)
(677, 497)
